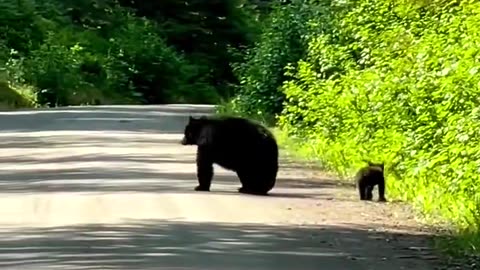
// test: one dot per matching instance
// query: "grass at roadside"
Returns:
(458, 247)
(16, 96)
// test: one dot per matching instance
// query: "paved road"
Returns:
(112, 188)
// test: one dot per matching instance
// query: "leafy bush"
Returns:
(101, 52)
(397, 82)
(16, 96)
(19, 27)
(281, 43)
(153, 68)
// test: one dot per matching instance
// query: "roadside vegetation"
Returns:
(72, 52)
(392, 81)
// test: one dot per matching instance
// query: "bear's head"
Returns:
(192, 130)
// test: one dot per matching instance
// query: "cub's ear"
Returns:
(191, 119)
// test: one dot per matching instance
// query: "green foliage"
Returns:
(397, 81)
(16, 96)
(282, 42)
(153, 68)
(109, 51)
(205, 32)
(19, 25)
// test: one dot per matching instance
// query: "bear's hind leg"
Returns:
(369, 192)
(250, 183)
(362, 190)
(381, 191)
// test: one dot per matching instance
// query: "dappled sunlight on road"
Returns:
(75, 175)
(93, 188)
(174, 244)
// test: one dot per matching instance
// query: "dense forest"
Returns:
(384, 80)
(58, 53)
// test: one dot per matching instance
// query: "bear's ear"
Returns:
(202, 119)
(191, 119)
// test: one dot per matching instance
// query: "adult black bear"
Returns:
(367, 178)
(236, 144)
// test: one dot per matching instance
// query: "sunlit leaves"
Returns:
(399, 85)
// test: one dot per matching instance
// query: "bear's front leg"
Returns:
(204, 169)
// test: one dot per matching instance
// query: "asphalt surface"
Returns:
(110, 187)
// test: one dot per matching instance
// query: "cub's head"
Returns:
(380, 166)
(192, 130)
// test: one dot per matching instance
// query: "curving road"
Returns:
(110, 187)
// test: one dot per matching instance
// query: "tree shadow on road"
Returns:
(108, 158)
(164, 244)
(101, 179)
(124, 171)
(84, 161)
(164, 119)
(57, 142)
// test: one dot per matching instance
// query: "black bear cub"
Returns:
(367, 178)
(236, 144)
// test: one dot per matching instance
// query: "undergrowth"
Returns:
(395, 82)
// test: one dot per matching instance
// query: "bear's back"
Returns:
(237, 140)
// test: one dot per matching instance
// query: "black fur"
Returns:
(236, 144)
(367, 178)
